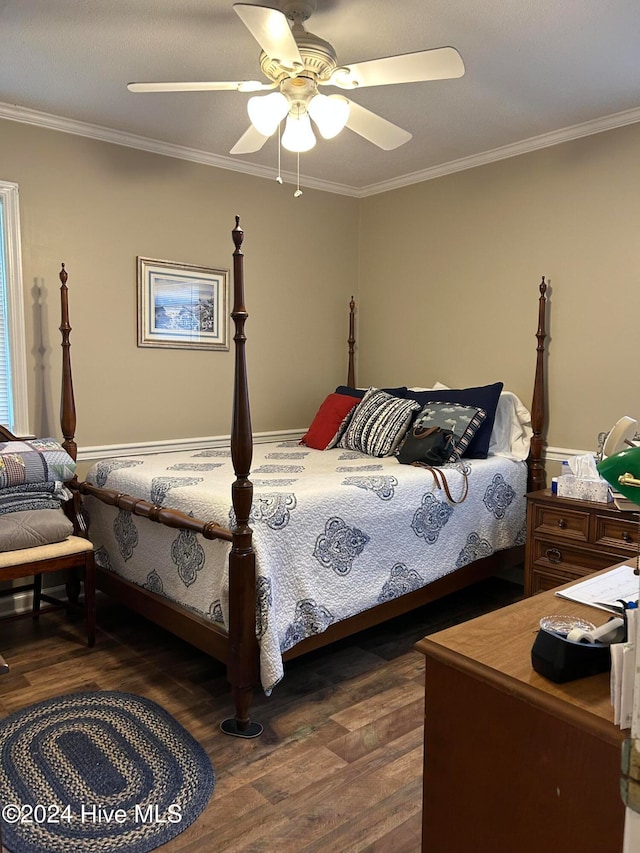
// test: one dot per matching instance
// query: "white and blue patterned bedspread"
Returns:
(335, 532)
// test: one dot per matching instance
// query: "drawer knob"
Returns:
(562, 523)
(553, 555)
(627, 537)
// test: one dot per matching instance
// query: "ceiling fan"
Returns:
(297, 63)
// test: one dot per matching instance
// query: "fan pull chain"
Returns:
(298, 191)
(279, 178)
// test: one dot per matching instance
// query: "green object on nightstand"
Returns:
(622, 472)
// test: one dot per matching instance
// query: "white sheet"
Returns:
(335, 532)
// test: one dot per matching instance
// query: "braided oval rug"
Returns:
(98, 772)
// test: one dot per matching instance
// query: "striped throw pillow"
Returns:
(379, 423)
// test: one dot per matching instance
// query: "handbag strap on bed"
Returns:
(441, 481)
(422, 432)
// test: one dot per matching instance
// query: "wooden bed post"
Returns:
(73, 508)
(67, 400)
(243, 655)
(537, 476)
(351, 372)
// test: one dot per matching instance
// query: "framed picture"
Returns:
(182, 305)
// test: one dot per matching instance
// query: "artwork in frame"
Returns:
(182, 305)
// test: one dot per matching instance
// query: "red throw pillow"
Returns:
(328, 423)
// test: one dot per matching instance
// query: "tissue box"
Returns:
(570, 486)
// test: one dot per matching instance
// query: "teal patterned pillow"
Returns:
(463, 421)
(378, 423)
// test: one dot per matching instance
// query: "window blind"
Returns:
(6, 413)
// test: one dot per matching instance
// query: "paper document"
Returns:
(623, 671)
(604, 591)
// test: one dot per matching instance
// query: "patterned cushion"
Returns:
(484, 397)
(41, 460)
(463, 421)
(379, 423)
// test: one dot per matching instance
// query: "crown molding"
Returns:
(12, 112)
(525, 146)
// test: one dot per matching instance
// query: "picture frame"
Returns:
(184, 306)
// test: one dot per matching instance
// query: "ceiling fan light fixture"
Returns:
(297, 62)
(298, 135)
(330, 113)
(343, 77)
(267, 111)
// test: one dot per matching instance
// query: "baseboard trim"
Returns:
(22, 602)
(559, 454)
(110, 451)
(172, 445)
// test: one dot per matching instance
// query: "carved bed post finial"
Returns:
(238, 235)
(537, 476)
(243, 656)
(351, 373)
(67, 401)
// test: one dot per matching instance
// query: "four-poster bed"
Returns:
(236, 631)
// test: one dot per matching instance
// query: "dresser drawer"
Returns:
(567, 558)
(569, 538)
(559, 521)
(615, 532)
(544, 578)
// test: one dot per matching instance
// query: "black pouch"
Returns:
(432, 446)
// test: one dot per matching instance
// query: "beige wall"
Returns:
(446, 275)
(97, 206)
(450, 270)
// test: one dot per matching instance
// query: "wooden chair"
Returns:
(75, 554)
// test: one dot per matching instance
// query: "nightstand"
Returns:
(569, 538)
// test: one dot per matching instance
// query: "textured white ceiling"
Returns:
(533, 69)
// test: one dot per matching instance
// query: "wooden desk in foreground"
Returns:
(513, 762)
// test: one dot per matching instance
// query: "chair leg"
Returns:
(37, 594)
(90, 597)
(73, 588)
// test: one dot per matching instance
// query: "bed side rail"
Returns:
(162, 515)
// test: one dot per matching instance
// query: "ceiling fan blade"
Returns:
(221, 86)
(270, 28)
(441, 63)
(250, 141)
(376, 129)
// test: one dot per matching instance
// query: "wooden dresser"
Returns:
(513, 762)
(569, 538)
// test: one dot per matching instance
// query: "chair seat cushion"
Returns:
(70, 545)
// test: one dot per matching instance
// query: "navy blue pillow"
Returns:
(360, 392)
(485, 397)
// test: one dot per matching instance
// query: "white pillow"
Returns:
(512, 430)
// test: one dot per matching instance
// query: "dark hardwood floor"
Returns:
(339, 766)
